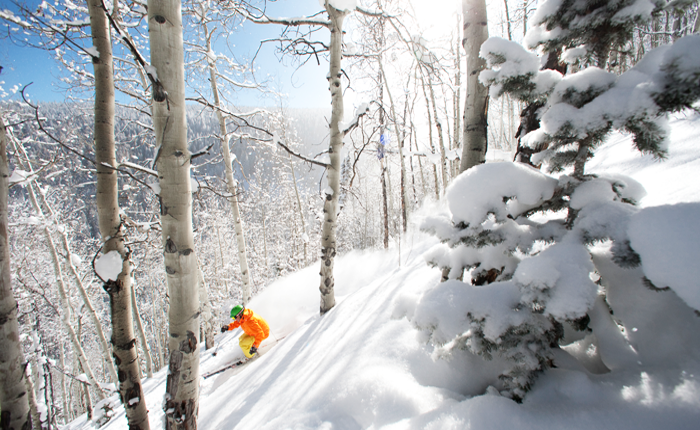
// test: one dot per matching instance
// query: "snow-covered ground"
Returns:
(363, 365)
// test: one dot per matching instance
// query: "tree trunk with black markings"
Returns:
(123, 341)
(332, 192)
(475, 33)
(173, 162)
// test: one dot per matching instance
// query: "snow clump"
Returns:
(109, 266)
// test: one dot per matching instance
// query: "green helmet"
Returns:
(236, 310)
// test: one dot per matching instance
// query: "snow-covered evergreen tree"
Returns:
(542, 242)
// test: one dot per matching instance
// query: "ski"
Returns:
(262, 350)
(230, 366)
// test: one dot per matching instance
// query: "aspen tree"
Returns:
(246, 292)
(331, 193)
(330, 204)
(173, 160)
(119, 290)
(475, 33)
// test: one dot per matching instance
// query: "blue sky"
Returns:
(306, 87)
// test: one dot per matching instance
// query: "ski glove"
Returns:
(224, 329)
(253, 350)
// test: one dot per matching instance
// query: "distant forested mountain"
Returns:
(256, 162)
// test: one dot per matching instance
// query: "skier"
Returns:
(255, 329)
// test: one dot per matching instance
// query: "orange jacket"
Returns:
(253, 325)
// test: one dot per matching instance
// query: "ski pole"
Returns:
(217, 349)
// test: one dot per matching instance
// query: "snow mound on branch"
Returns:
(640, 9)
(517, 62)
(480, 191)
(21, 177)
(568, 289)
(347, 5)
(109, 266)
(445, 306)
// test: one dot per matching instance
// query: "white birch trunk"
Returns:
(173, 161)
(474, 138)
(14, 401)
(246, 292)
(119, 290)
(85, 392)
(330, 204)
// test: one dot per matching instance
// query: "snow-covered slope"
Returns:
(363, 365)
(670, 181)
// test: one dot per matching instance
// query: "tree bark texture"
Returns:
(173, 162)
(123, 341)
(474, 138)
(14, 403)
(330, 204)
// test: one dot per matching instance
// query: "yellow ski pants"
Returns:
(246, 341)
